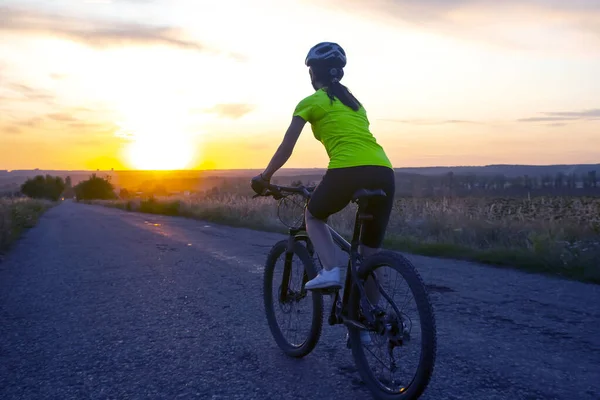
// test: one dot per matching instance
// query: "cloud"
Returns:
(541, 119)
(11, 130)
(31, 122)
(233, 110)
(561, 116)
(593, 113)
(553, 118)
(445, 6)
(29, 92)
(95, 32)
(459, 121)
(427, 11)
(61, 117)
(87, 125)
(515, 24)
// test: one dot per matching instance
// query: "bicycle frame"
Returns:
(352, 279)
(354, 258)
(363, 315)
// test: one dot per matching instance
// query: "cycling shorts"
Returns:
(335, 191)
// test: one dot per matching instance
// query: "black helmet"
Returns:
(326, 53)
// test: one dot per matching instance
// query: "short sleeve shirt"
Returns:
(344, 133)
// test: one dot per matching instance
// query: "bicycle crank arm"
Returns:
(355, 324)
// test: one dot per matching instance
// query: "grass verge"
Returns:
(524, 236)
(17, 215)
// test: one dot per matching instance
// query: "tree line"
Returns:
(471, 184)
(450, 184)
(54, 188)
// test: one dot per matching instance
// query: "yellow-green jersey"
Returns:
(344, 132)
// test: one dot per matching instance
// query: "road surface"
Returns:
(98, 303)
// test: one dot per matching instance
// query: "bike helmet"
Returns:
(326, 53)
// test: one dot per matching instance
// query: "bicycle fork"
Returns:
(287, 268)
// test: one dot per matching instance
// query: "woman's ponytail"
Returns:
(331, 77)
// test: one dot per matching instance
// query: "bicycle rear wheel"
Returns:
(401, 338)
(299, 269)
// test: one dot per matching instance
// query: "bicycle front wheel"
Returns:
(284, 295)
(404, 340)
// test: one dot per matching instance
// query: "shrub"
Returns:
(95, 188)
(43, 187)
(16, 215)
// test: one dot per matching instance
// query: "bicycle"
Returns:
(354, 310)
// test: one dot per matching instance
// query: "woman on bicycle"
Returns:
(356, 160)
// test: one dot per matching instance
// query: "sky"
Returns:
(188, 84)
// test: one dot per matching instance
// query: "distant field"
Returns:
(557, 235)
(16, 215)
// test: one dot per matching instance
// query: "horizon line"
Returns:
(290, 168)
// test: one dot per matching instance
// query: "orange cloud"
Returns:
(95, 32)
(589, 115)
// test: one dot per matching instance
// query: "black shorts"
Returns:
(335, 191)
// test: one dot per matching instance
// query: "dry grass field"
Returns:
(557, 235)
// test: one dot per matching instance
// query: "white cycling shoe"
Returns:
(325, 280)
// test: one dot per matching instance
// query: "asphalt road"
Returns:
(97, 303)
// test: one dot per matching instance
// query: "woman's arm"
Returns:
(286, 147)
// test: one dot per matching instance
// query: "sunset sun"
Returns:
(158, 135)
(160, 154)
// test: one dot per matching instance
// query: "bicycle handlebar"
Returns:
(277, 191)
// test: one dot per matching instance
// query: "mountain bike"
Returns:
(391, 327)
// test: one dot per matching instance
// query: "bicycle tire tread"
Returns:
(317, 301)
(428, 326)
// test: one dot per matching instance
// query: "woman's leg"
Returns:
(370, 287)
(331, 195)
(373, 231)
(320, 236)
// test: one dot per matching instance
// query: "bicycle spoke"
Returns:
(295, 323)
(385, 366)
(393, 367)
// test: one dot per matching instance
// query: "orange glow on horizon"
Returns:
(89, 86)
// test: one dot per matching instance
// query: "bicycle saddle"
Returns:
(363, 193)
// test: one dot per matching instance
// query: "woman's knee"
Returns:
(308, 216)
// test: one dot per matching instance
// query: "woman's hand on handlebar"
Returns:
(260, 184)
